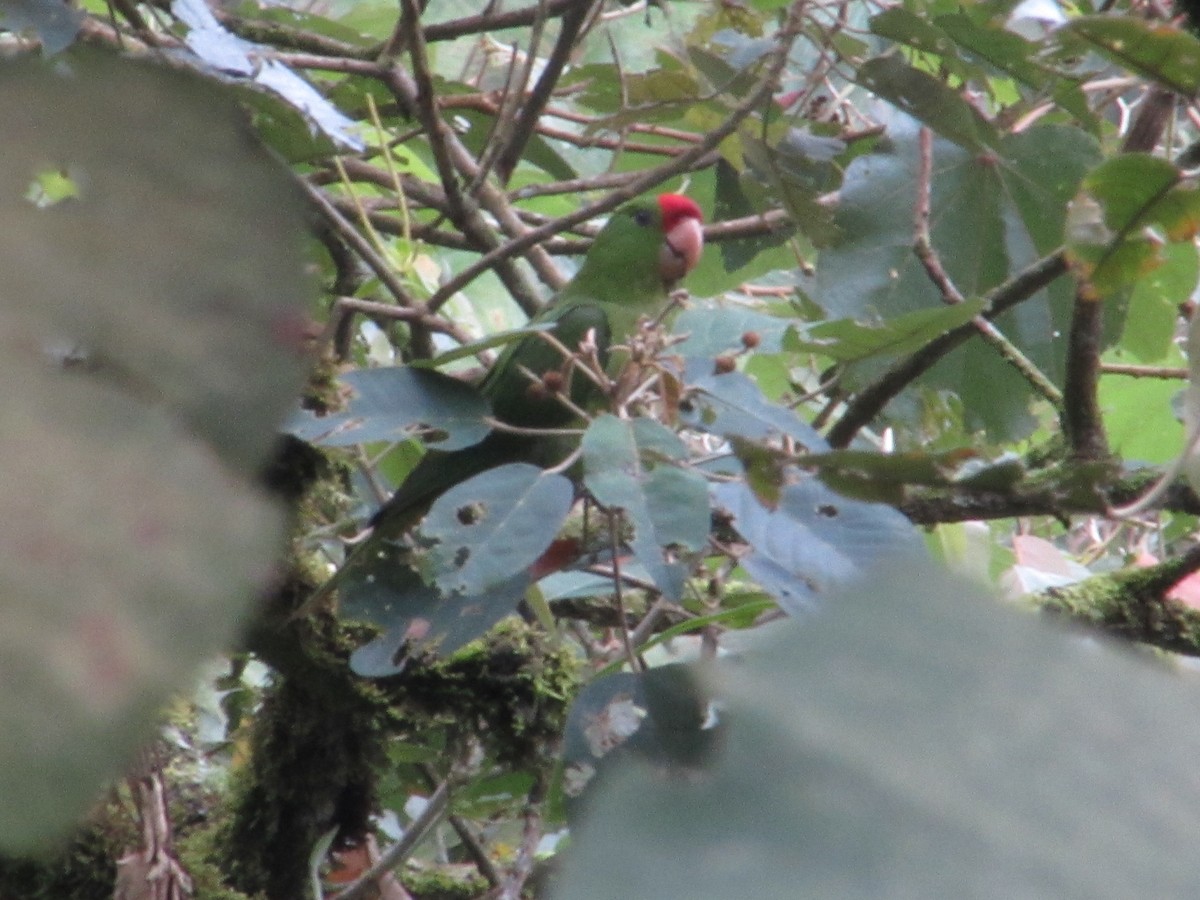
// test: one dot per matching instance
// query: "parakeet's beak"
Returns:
(681, 249)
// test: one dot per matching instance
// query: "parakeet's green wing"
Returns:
(510, 383)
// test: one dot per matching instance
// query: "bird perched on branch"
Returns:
(538, 384)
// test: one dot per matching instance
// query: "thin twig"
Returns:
(398, 852)
(635, 662)
(647, 180)
(867, 403)
(932, 263)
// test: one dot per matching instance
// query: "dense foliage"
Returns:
(744, 640)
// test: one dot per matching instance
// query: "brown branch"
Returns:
(871, 400)
(1081, 417)
(646, 180)
(1132, 604)
(932, 263)
(533, 105)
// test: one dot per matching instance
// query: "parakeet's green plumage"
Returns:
(643, 250)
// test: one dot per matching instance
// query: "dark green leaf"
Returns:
(713, 330)
(394, 404)
(54, 23)
(487, 528)
(929, 100)
(418, 619)
(665, 506)
(1162, 53)
(815, 541)
(140, 533)
(732, 404)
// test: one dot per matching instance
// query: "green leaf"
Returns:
(991, 215)
(1127, 209)
(713, 329)
(54, 23)
(664, 505)
(417, 618)
(815, 540)
(658, 716)
(845, 340)
(143, 386)
(916, 740)
(1162, 53)
(928, 99)
(397, 403)
(490, 527)
(1139, 416)
(732, 404)
(1153, 315)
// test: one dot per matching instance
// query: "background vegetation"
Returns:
(937, 344)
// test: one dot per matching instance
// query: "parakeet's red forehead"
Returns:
(675, 207)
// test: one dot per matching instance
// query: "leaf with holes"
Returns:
(815, 540)
(664, 505)
(395, 404)
(486, 529)
(416, 617)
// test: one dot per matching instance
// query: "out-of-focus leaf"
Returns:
(54, 23)
(713, 330)
(487, 528)
(1154, 303)
(222, 50)
(664, 505)
(1127, 209)
(660, 716)
(1162, 53)
(417, 618)
(815, 541)
(396, 403)
(917, 740)
(926, 98)
(732, 404)
(138, 531)
(846, 340)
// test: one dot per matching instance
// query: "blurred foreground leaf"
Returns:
(917, 740)
(142, 388)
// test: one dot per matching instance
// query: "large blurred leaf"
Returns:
(815, 540)
(712, 330)
(172, 283)
(396, 403)
(916, 740)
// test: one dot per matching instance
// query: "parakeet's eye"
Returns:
(642, 217)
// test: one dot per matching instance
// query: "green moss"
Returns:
(442, 885)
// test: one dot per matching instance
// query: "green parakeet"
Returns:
(639, 255)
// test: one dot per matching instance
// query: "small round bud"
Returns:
(723, 365)
(553, 381)
(536, 391)
(751, 339)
